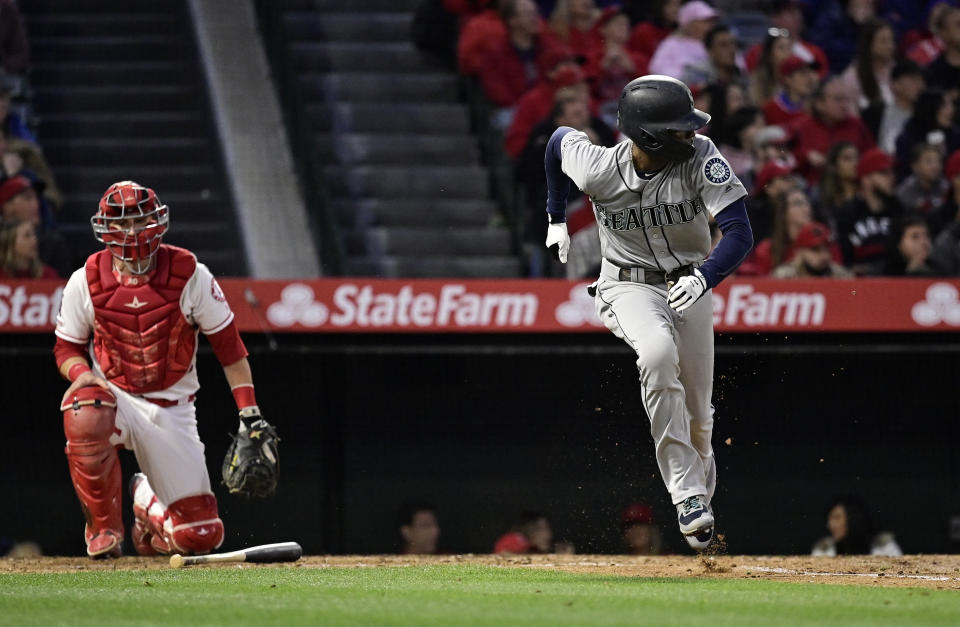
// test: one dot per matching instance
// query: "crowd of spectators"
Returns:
(839, 116)
(30, 245)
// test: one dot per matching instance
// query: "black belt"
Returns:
(658, 277)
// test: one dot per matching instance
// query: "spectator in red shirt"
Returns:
(612, 64)
(656, 25)
(928, 46)
(812, 256)
(573, 22)
(944, 71)
(559, 71)
(798, 80)
(477, 35)
(827, 123)
(530, 533)
(510, 68)
(19, 256)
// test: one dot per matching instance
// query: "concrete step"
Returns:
(94, 179)
(117, 98)
(129, 150)
(126, 47)
(430, 182)
(116, 73)
(341, 6)
(428, 241)
(379, 87)
(105, 125)
(362, 56)
(435, 267)
(44, 7)
(423, 117)
(397, 149)
(328, 26)
(205, 207)
(76, 24)
(399, 212)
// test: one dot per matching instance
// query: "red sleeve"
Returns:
(64, 350)
(227, 345)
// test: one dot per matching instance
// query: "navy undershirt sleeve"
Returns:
(558, 183)
(733, 247)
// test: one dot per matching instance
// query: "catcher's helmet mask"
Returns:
(652, 108)
(131, 221)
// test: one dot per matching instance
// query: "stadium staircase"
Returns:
(119, 93)
(402, 170)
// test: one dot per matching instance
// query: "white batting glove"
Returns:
(557, 236)
(687, 290)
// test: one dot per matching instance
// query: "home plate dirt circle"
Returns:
(914, 571)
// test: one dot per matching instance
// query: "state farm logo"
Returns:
(18, 308)
(746, 307)
(364, 306)
(941, 305)
(297, 306)
(579, 310)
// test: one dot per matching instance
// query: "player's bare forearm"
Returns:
(238, 373)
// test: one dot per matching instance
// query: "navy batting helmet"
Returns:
(651, 107)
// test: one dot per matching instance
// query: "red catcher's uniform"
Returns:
(144, 343)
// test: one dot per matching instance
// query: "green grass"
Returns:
(449, 595)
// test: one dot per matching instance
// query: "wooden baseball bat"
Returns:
(279, 552)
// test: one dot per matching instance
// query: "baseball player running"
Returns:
(127, 342)
(651, 197)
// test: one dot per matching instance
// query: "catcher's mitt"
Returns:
(251, 465)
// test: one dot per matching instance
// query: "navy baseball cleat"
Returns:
(694, 516)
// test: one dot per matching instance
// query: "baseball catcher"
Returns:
(127, 342)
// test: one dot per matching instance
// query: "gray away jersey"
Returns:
(658, 222)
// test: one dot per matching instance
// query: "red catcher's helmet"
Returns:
(136, 241)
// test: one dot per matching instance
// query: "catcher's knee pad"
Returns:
(193, 524)
(89, 419)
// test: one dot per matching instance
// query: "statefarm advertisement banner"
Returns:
(356, 305)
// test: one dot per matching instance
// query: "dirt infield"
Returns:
(914, 571)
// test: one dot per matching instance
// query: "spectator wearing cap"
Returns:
(887, 119)
(924, 192)
(828, 122)
(771, 182)
(771, 145)
(864, 224)
(812, 256)
(558, 71)
(19, 201)
(945, 256)
(685, 45)
(19, 254)
(787, 15)
(910, 247)
(511, 66)
(723, 65)
(931, 123)
(612, 64)
(944, 71)
(654, 21)
(798, 80)
(837, 29)
(640, 535)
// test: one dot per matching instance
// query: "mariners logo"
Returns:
(716, 171)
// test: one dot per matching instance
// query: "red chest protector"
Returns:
(140, 338)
